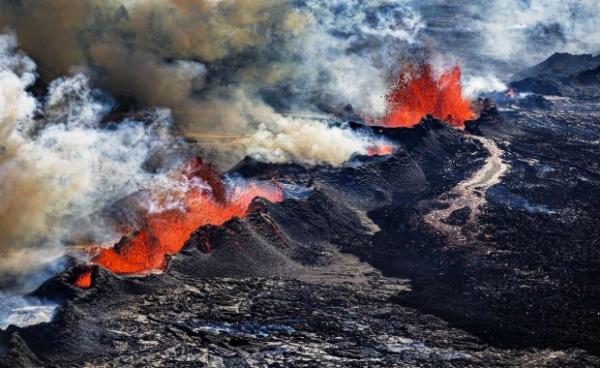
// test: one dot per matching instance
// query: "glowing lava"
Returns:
(84, 280)
(205, 200)
(380, 150)
(417, 93)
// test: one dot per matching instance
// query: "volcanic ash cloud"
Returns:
(61, 163)
(221, 68)
(58, 168)
(211, 61)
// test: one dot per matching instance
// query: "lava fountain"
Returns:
(416, 92)
(206, 199)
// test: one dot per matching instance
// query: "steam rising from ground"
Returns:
(231, 74)
(58, 168)
(529, 31)
(474, 86)
(284, 139)
(24, 311)
(62, 161)
(215, 64)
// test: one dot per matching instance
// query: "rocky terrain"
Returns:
(464, 248)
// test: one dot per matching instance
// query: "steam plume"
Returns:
(230, 68)
(529, 31)
(215, 63)
(59, 168)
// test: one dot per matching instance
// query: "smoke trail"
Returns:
(530, 31)
(59, 167)
(24, 311)
(474, 86)
(211, 62)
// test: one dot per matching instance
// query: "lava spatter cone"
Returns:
(165, 232)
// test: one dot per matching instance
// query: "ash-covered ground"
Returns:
(464, 248)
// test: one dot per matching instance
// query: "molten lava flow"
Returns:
(416, 93)
(84, 280)
(206, 200)
(380, 150)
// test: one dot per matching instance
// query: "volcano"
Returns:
(263, 184)
(361, 246)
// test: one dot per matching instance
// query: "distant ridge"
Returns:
(559, 65)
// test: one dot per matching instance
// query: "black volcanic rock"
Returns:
(536, 256)
(350, 274)
(563, 75)
(459, 216)
(18, 353)
(533, 102)
(589, 77)
(559, 65)
(543, 86)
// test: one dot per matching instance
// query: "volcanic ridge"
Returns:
(462, 240)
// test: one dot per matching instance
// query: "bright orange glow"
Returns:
(416, 93)
(380, 150)
(165, 232)
(84, 280)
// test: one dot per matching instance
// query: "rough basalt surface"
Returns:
(347, 273)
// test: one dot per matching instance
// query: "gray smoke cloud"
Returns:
(527, 32)
(222, 66)
(501, 37)
(57, 166)
(242, 77)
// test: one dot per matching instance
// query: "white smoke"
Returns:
(360, 18)
(24, 311)
(352, 46)
(278, 138)
(474, 86)
(60, 168)
(530, 31)
(284, 139)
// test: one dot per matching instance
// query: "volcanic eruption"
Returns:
(416, 92)
(205, 200)
(335, 183)
(84, 278)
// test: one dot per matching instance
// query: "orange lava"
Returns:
(417, 93)
(165, 232)
(84, 280)
(380, 150)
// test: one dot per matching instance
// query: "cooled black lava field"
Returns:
(356, 183)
